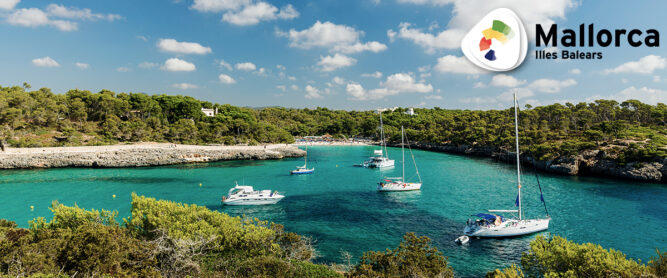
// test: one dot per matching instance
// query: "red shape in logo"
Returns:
(484, 44)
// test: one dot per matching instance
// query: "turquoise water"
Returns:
(339, 207)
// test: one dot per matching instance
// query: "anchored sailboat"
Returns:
(492, 225)
(381, 158)
(300, 170)
(399, 184)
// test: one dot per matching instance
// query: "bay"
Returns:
(339, 207)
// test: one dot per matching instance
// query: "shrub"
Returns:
(558, 257)
(414, 257)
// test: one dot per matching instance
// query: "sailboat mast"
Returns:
(383, 145)
(518, 162)
(403, 153)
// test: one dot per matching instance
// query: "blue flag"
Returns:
(517, 201)
(542, 197)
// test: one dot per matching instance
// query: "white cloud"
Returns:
(479, 85)
(123, 69)
(282, 88)
(148, 65)
(174, 46)
(8, 4)
(657, 78)
(76, 13)
(260, 11)
(291, 78)
(226, 79)
(645, 65)
(361, 47)
(35, 18)
(405, 83)
(337, 38)
(508, 96)
(434, 97)
(247, 66)
(175, 64)
(376, 74)
(393, 85)
(454, 64)
(312, 92)
(503, 80)
(184, 86)
(546, 85)
(294, 88)
(281, 67)
(624, 80)
(226, 65)
(143, 38)
(643, 94)
(575, 71)
(218, 5)
(82, 65)
(338, 80)
(466, 13)
(45, 62)
(331, 63)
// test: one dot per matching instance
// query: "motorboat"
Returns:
(241, 195)
(494, 224)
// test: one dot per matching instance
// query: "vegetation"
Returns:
(557, 257)
(160, 239)
(167, 239)
(414, 257)
(629, 131)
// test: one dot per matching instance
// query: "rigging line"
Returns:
(544, 202)
(413, 158)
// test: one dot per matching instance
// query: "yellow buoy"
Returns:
(32, 207)
(336, 165)
(200, 185)
(114, 196)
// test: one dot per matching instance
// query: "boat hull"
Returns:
(302, 172)
(252, 201)
(510, 228)
(383, 164)
(390, 187)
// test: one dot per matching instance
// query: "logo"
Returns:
(498, 42)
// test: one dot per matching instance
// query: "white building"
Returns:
(411, 111)
(210, 112)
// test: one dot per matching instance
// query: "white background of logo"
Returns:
(509, 55)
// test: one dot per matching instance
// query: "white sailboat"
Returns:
(381, 158)
(399, 184)
(493, 225)
(301, 170)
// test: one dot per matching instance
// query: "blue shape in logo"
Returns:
(491, 55)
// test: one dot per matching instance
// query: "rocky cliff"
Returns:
(138, 155)
(593, 162)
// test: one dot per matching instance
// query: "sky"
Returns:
(353, 55)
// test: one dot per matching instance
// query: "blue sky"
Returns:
(359, 55)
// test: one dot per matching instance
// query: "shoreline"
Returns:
(138, 155)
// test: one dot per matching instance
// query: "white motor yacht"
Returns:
(240, 195)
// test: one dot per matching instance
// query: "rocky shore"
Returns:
(137, 155)
(594, 163)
